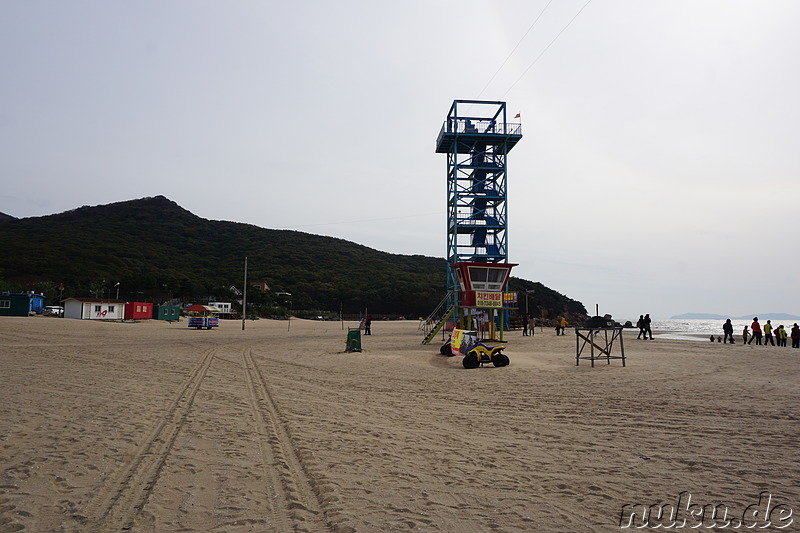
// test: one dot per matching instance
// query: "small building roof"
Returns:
(95, 300)
(25, 294)
(198, 308)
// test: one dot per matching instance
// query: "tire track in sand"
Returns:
(124, 494)
(297, 506)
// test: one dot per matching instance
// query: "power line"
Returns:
(364, 220)
(546, 48)
(515, 48)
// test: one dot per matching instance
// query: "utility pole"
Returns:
(527, 292)
(244, 295)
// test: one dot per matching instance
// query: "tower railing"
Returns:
(483, 127)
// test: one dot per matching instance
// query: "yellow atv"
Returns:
(480, 354)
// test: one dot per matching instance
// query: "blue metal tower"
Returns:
(476, 138)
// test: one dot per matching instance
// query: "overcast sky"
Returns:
(657, 172)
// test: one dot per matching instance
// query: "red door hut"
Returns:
(138, 310)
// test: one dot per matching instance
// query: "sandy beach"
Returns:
(154, 427)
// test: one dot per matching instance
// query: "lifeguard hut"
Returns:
(483, 297)
(476, 136)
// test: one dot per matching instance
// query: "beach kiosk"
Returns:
(203, 316)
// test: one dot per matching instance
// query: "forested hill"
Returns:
(156, 250)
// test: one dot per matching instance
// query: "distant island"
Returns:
(707, 316)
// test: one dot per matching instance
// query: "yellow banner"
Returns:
(488, 299)
(455, 341)
(462, 341)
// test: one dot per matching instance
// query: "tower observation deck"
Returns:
(476, 138)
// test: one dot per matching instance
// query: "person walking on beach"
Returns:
(756, 327)
(368, 325)
(524, 325)
(646, 322)
(562, 325)
(640, 325)
(531, 325)
(727, 329)
(795, 336)
(780, 336)
(768, 334)
(745, 334)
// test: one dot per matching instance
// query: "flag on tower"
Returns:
(517, 115)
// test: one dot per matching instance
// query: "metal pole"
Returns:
(244, 295)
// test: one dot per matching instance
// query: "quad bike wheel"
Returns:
(470, 361)
(500, 359)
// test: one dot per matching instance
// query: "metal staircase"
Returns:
(431, 325)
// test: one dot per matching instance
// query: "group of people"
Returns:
(769, 334)
(644, 327)
(528, 324)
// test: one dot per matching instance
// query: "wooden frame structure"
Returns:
(601, 344)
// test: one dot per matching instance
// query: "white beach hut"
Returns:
(94, 309)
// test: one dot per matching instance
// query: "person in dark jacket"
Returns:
(640, 325)
(727, 329)
(647, 329)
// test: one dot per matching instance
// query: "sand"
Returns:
(154, 427)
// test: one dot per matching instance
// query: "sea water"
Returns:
(702, 328)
